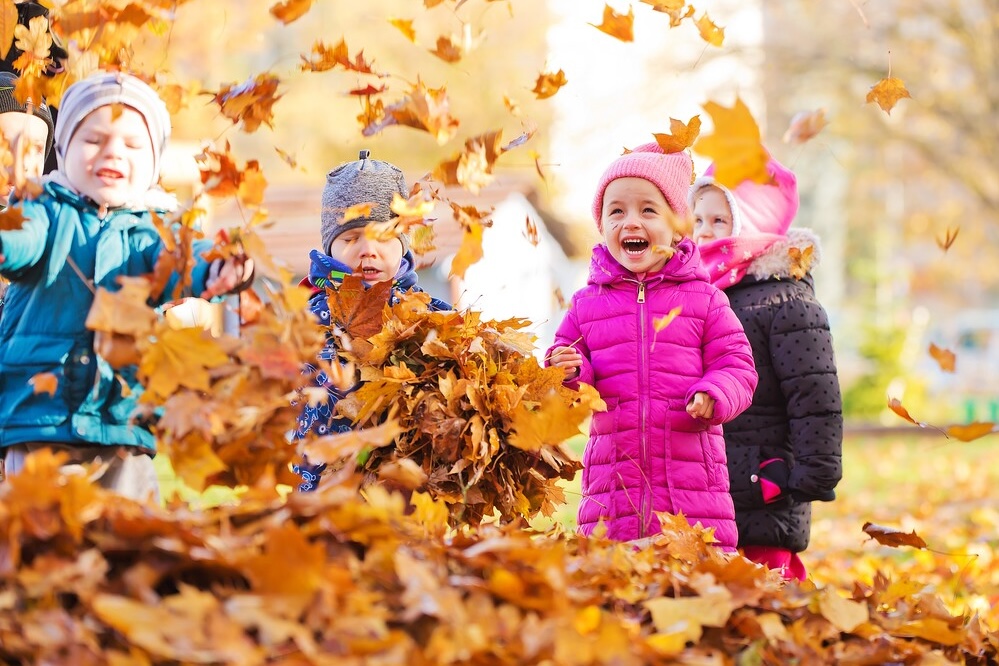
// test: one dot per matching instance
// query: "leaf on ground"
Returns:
(844, 614)
(179, 357)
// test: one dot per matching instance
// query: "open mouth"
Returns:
(369, 272)
(109, 174)
(634, 245)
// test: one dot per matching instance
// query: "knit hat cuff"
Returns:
(733, 205)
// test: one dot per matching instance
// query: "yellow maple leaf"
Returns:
(193, 459)
(800, 261)
(471, 246)
(710, 32)
(618, 26)
(250, 191)
(405, 26)
(179, 357)
(288, 11)
(34, 39)
(269, 572)
(681, 136)
(735, 146)
(250, 102)
(548, 84)
(844, 614)
(8, 21)
(554, 421)
(660, 323)
(887, 92)
(124, 311)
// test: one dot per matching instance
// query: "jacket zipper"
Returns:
(643, 371)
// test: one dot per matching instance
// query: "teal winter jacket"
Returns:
(42, 327)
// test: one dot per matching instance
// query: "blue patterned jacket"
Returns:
(321, 418)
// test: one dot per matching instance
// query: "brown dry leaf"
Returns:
(805, 125)
(659, 323)
(681, 136)
(531, 231)
(426, 109)
(971, 431)
(945, 358)
(405, 26)
(11, 219)
(447, 50)
(548, 84)
(355, 309)
(887, 92)
(710, 32)
(44, 382)
(269, 571)
(124, 311)
(618, 26)
(893, 538)
(735, 146)
(950, 235)
(349, 445)
(250, 102)
(472, 168)
(288, 11)
(895, 405)
(800, 261)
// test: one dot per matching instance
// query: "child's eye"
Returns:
(649, 209)
(615, 211)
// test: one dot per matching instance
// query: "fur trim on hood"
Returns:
(777, 261)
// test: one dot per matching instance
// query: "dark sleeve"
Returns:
(802, 356)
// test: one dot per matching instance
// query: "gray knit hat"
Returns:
(105, 88)
(9, 103)
(363, 181)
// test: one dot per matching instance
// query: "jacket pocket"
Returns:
(79, 372)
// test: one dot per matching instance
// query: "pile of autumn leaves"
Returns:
(352, 576)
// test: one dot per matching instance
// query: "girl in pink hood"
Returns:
(666, 353)
(784, 452)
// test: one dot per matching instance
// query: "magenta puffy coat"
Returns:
(645, 453)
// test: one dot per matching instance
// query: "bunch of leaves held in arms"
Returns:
(450, 404)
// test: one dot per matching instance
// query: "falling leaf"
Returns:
(8, 21)
(804, 126)
(548, 84)
(180, 357)
(800, 261)
(945, 358)
(950, 235)
(325, 58)
(560, 298)
(44, 382)
(252, 185)
(447, 50)
(619, 26)
(511, 106)
(124, 311)
(288, 11)
(470, 250)
(287, 158)
(887, 92)
(34, 40)
(357, 211)
(678, 10)
(426, 109)
(735, 145)
(405, 26)
(893, 538)
(659, 323)
(971, 431)
(681, 136)
(895, 405)
(710, 32)
(531, 231)
(250, 102)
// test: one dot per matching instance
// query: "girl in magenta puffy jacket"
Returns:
(667, 354)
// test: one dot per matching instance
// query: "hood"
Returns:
(766, 208)
(777, 261)
(683, 266)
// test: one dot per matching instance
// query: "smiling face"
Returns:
(636, 223)
(110, 156)
(712, 215)
(372, 259)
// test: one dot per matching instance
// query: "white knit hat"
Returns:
(733, 205)
(102, 89)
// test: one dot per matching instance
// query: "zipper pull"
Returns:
(641, 292)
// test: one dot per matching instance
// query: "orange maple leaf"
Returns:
(11, 219)
(125, 311)
(405, 26)
(618, 26)
(971, 431)
(8, 22)
(673, 8)
(800, 261)
(945, 358)
(179, 357)
(805, 125)
(552, 422)
(268, 571)
(735, 145)
(44, 382)
(710, 32)
(325, 58)
(426, 109)
(470, 251)
(288, 11)
(887, 92)
(250, 102)
(357, 310)
(660, 323)
(447, 50)
(681, 136)
(548, 84)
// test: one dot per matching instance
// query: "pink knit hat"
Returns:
(670, 173)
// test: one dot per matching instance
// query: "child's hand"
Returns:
(568, 359)
(232, 275)
(701, 406)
